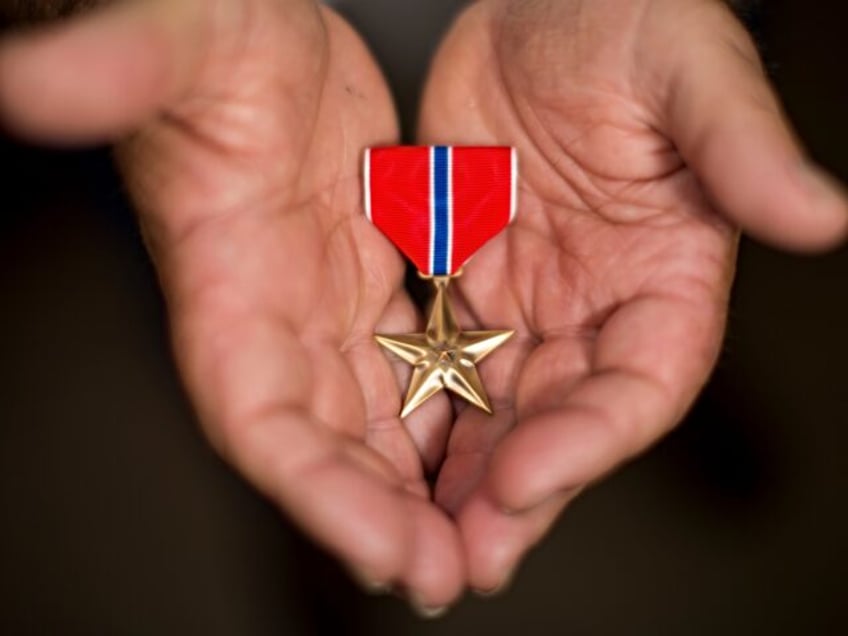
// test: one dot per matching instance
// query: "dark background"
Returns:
(115, 517)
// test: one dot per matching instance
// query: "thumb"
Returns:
(99, 76)
(728, 126)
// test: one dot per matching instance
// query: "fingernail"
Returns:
(428, 613)
(422, 610)
(370, 585)
(495, 591)
(498, 589)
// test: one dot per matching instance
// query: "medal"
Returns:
(439, 205)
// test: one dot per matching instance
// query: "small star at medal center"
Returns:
(446, 353)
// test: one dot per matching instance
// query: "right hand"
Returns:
(240, 129)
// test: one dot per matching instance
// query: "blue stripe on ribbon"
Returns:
(440, 211)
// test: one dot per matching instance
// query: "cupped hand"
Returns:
(241, 127)
(647, 133)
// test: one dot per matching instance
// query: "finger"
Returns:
(495, 540)
(650, 359)
(475, 433)
(728, 126)
(386, 535)
(252, 381)
(422, 436)
(472, 441)
(101, 75)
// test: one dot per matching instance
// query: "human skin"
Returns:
(648, 134)
(239, 128)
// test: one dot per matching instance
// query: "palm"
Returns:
(276, 282)
(615, 273)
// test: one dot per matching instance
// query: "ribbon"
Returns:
(439, 205)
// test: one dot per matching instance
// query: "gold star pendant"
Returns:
(444, 357)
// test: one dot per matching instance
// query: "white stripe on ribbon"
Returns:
(513, 187)
(450, 209)
(432, 259)
(366, 183)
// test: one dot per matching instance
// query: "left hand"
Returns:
(647, 133)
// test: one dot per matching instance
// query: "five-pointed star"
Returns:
(444, 357)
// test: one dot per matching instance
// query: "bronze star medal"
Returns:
(439, 205)
(444, 357)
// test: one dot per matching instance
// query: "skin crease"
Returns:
(240, 128)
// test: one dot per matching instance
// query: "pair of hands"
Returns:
(647, 133)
